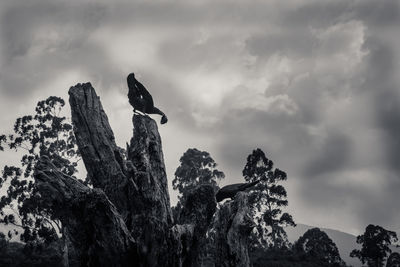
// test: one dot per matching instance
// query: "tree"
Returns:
(375, 245)
(316, 244)
(46, 133)
(393, 260)
(267, 198)
(197, 167)
(3, 242)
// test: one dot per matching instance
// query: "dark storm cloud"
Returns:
(20, 24)
(333, 155)
(367, 200)
(378, 14)
(194, 14)
(388, 110)
(41, 40)
(317, 91)
(265, 45)
(381, 80)
(241, 131)
(378, 96)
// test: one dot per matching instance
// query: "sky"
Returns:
(315, 84)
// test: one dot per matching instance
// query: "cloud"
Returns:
(383, 84)
(331, 156)
(44, 39)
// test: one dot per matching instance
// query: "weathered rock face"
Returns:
(232, 229)
(137, 186)
(145, 153)
(86, 213)
(95, 138)
(194, 219)
(126, 219)
(150, 210)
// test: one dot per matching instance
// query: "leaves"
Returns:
(375, 243)
(44, 133)
(317, 245)
(197, 167)
(3, 139)
(267, 198)
(258, 167)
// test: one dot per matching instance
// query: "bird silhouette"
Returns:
(141, 100)
(230, 191)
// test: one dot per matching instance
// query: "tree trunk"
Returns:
(126, 219)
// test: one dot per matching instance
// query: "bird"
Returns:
(230, 191)
(141, 100)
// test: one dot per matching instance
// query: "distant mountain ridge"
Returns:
(344, 241)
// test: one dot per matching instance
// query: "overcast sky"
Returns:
(314, 84)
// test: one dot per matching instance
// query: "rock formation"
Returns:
(233, 227)
(126, 218)
(86, 213)
(196, 215)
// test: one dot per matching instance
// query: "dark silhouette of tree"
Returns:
(316, 244)
(44, 133)
(267, 198)
(3, 242)
(375, 245)
(197, 167)
(393, 260)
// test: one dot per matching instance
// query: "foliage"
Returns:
(375, 245)
(3, 242)
(44, 133)
(393, 260)
(317, 245)
(267, 199)
(197, 167)
(33, 255)
(283, 257)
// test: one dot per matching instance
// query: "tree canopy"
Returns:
(45, 133)
(267, 197)
(196, 167)
(375, 243)
(393, 260)
(317, 245)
